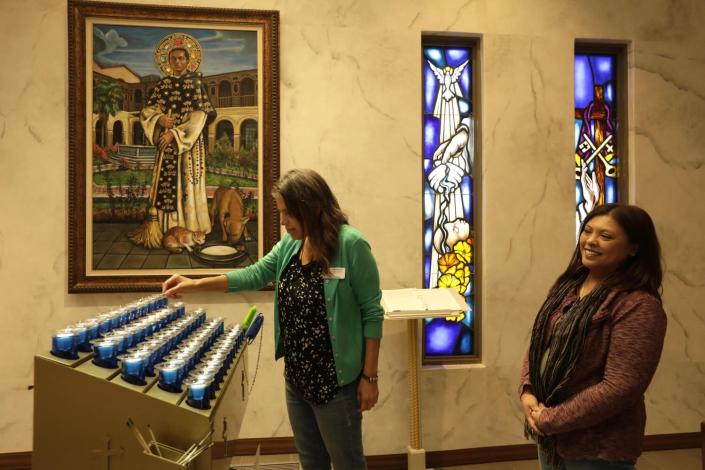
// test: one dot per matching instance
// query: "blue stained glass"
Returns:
(469, 206)
(604, 65)
(603, 69)
(441, 337)
(466, 184)
(435, 55)
(583, 82)
(457, 56)
(427, 238)
(428, 204)
(427, 165)
(591, 71)
(431, 87)
(596, 153)
(469, 320)
(431, 132)
(448, 204)
(465, 343)
(464, 107)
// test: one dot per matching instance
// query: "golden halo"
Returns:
(178, 41)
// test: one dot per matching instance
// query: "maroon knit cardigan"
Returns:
(601, 414)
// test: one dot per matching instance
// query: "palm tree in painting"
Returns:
(107, 101)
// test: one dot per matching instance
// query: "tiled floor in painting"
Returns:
(113, 250)
(687, 459)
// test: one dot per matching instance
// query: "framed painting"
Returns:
(173, 142)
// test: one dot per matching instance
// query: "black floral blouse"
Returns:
(308, 355)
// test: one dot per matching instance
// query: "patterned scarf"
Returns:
(563, 349)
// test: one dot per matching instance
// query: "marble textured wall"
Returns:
(350, 107)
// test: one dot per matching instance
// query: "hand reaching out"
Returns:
(453, 147)
(177, 285)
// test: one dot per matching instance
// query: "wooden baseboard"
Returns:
(702, 443)
(268, 446)
(437, 458)
(16, 461)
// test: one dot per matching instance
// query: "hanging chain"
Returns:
(259, 353)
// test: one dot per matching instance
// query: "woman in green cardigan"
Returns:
(327, 319)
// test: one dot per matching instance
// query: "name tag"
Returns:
(335, 273)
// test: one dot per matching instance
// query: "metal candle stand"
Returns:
(81, 411)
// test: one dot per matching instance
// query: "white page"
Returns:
(423, 302)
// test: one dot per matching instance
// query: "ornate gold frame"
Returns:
(78, 13)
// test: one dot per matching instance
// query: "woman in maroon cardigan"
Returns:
(595, 345)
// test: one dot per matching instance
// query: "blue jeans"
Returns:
(588, 464)
(330, 432)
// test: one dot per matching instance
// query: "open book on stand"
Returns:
(402, 304)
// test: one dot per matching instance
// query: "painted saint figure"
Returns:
(174, 121)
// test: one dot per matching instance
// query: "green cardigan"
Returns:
(352, 303)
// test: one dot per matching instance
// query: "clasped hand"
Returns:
(532, 411)
(167, 122)
(167, 136)
(165, 140)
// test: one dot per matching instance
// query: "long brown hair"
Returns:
(309, 200)
(642, 271)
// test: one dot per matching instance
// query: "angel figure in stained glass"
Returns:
(446, 108)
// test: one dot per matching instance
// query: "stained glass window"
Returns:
(596, 131)
(448, 231)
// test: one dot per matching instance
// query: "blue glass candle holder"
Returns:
(143, 308)
(198, 393)
(125, 317)
(81, 338)
(114, 319)
(106, 351)
(93, 329)
(64, 344)
(180, 308)
(169, 376)
(120, 340)
(133, 368)
(104, 324)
